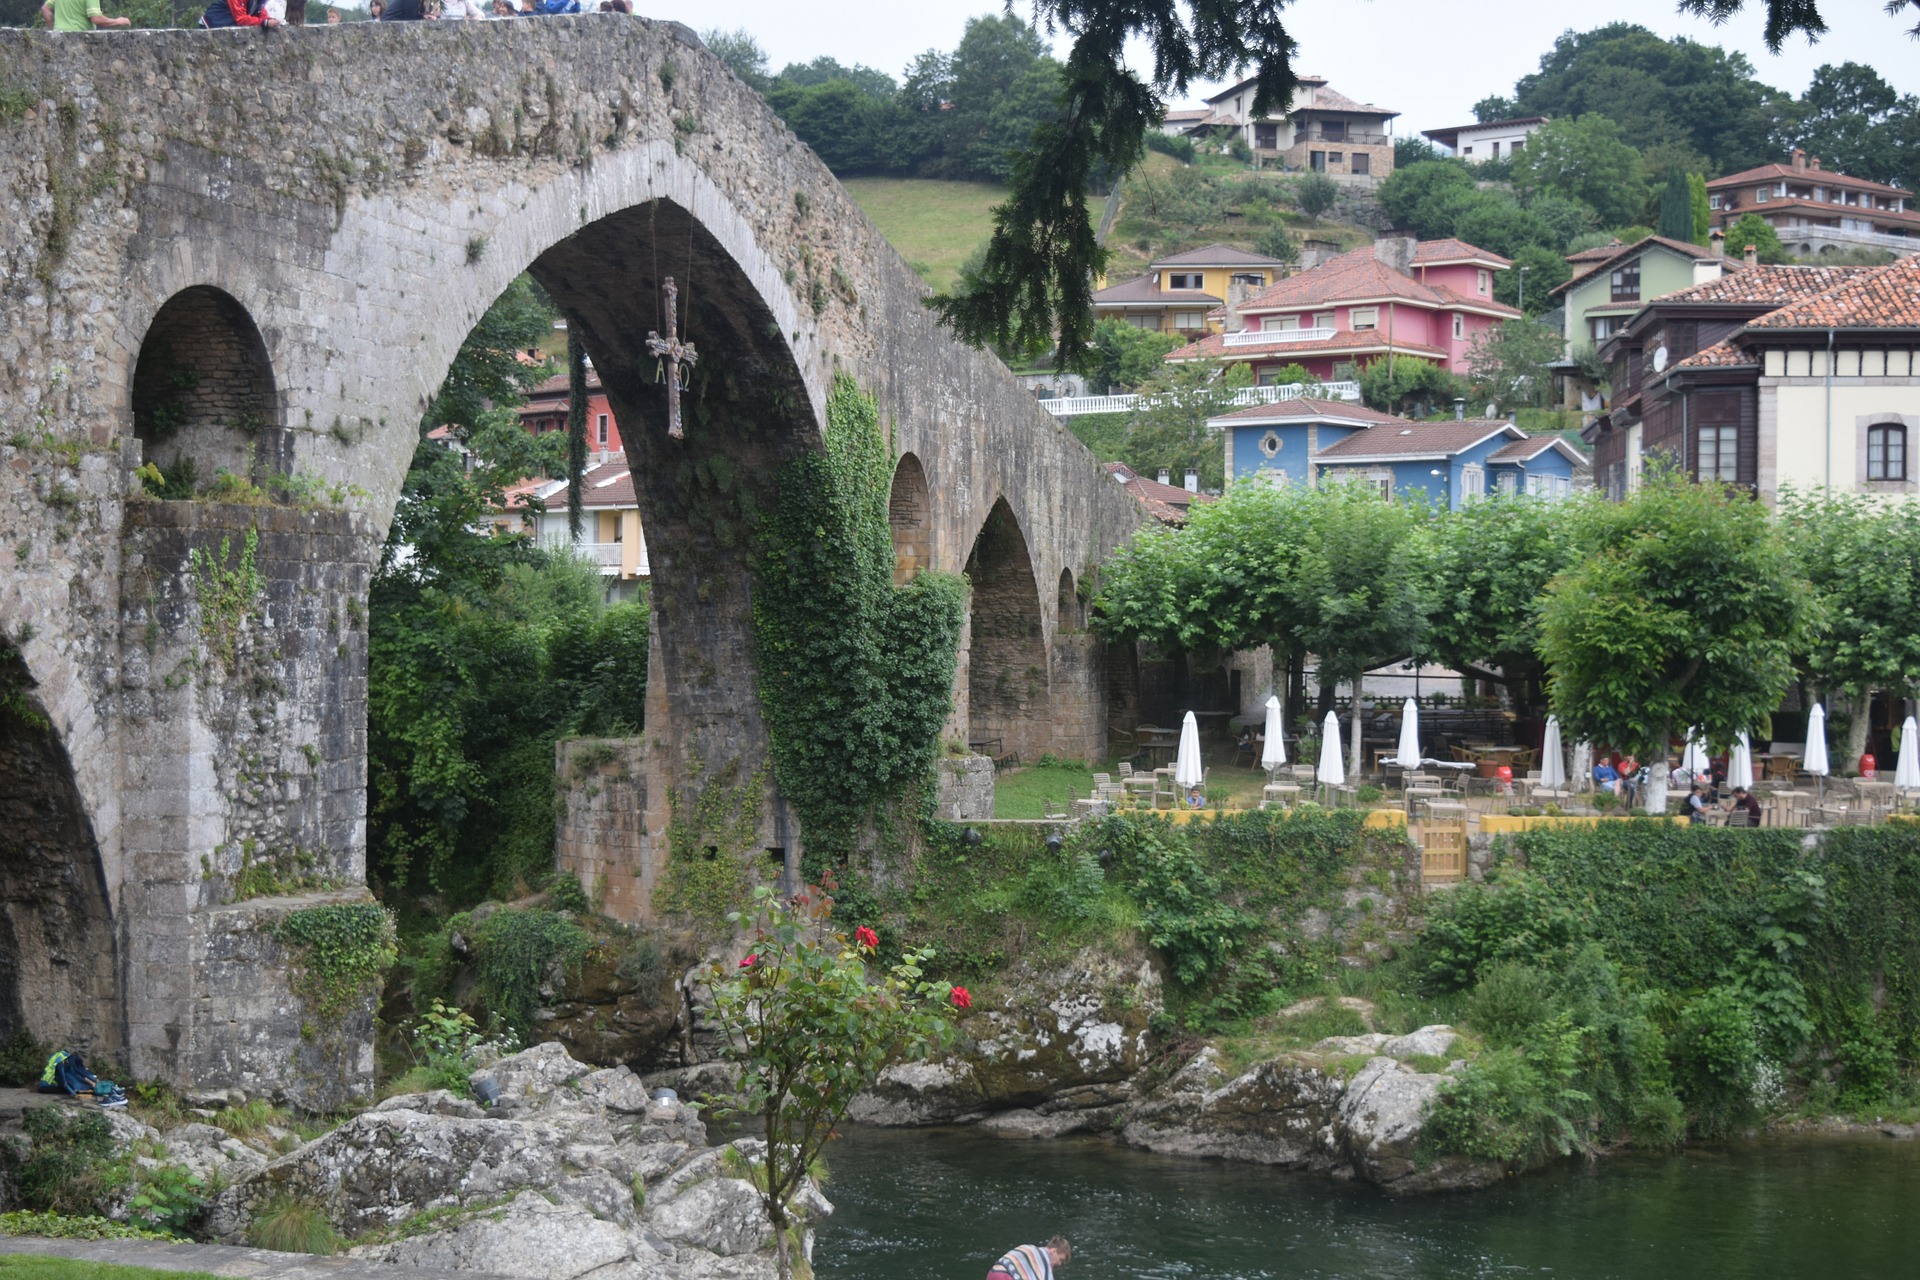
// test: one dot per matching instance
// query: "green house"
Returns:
(1614, 281)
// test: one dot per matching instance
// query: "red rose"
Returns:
(866, 937)
(748, 962)
(962, 998)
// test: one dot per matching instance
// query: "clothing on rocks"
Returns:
(1024, 1262)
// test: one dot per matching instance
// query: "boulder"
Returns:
(720, 1215)
(529, 1236)
(1380, 1119)
(1073, 1034)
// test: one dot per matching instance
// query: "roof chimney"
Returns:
(1193, 481)
(1395, 252)
(1753, 255)
(1799, 158)
(1166, 477)
(1814, 164)
(1459, 408)
(1717, 242)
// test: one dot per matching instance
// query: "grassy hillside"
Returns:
(933, 224)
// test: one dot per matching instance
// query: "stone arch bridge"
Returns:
(260, 251)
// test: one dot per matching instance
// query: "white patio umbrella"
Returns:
(1740, 768)
(1331, 771)
(1553, 761)
(1583, 765)
(1906, 771)
(1815, 762)
(1273, 753)
(1409, 751)
(1694, 758)
(1186, 765)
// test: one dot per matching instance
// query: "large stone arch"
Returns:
(910, 516)
(602, 153)
(202, 389)
(59, 966)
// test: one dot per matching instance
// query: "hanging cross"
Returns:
(676, 353)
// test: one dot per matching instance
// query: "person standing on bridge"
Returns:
(237, 13)
(78, 15)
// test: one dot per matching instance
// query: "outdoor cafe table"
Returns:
(1417, 794)
(1790, 805)
(1491, 758)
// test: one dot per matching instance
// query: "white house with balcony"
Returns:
(1488, 140)
(610, 534)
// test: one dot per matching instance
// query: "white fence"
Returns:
(1270, 337)
(1073, 406)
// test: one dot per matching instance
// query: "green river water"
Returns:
(943, 1204)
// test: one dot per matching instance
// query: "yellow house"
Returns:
(1178, 292)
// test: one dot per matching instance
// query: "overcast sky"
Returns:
(1430, 61)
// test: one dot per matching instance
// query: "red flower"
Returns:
(866, 937)
(749, 962)
(962, 998)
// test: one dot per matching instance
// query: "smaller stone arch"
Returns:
(910, 515)
(1070, 616)
(204, 391)
(1009, 687)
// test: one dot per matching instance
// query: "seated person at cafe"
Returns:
(1698, 806)
(1745, 799)
(1606, 777)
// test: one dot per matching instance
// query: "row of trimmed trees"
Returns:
(1684, 605)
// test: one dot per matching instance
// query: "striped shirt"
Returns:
(1027, 1262)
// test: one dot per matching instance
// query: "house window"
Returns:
(1760, 195)
(1626, 282)
(1323, 319)
(1362, 163)
(1887, 451)
(1382, 483)
(1364, 318)
(1317, 161)
(1509, 482)
(1516, 146)
(1466, 151)
(1266, 137)
(1274, 324)
(600, 430)
(1270, 443)
(1189, 321)
(1336, 157)
(1143, 320)
(1602, 327)
(1255, 278)
(1719, 454)
(1473, 482)
(1713, 201)
(1459, 326)
(1193, 280)
(1485, 279)
(1496, 148)
(1334, 131)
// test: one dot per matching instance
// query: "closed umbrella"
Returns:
(1816, 759)
(1273, 753)
(1410, 735)
(1331, 771)
(1694, 758)
(1186, 765)
(1906, 771)
(1553, 761)
(1740, 768)
(1583, 764)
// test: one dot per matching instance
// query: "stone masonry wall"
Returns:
(602, 784)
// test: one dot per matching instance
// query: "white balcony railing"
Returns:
(1265, 337)
(1074, 406)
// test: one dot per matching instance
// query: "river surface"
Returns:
(943, 1204)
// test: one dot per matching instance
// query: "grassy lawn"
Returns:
(933, 224)
(1037, 790)
(30, 1266)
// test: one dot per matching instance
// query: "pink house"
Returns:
(1428, 299)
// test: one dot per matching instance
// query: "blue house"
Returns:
(1447, 463)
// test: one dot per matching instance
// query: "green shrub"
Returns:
(1869, 1064)
(1513, 1106)
(22, 1059)
(1477, 925)
(1716, 1053)
(515, 951)
(289, 1225)
(69, 1166)
(1069, 886)
(249, 1118)
(55, 1226)
(166, 1199)
(1510, 1000)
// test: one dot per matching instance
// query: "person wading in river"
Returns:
(1032, 1261)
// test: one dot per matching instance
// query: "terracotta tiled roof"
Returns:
(1344, 341)
(1721, 355)
(1355, 275)
(1430, 252)
(1415, 440)
(519, 492)
(1598, 253)
(1811, 177)
(1185, 115)
(1142, 289)
(603, 486)
(1880, 298)
(1691, 252)
(1321, 98)
(558, 386)
(1904, 218)
(1217, 255)
(1304, 408)
(1247, 82)
(1765, 285)
(1166, 503)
